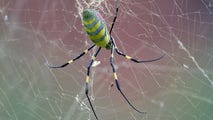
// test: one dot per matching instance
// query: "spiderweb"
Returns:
(177, 87)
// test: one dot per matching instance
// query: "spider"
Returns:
(96, 29)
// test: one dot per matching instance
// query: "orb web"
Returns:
(177, 87)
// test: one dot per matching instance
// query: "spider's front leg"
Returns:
(88, 79)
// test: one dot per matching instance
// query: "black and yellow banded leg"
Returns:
(88, 80)
(72, 60)
(117, 81)
(133, 59)
(115, 18)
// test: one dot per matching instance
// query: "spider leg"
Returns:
(121, 53)
(133, 59)
(115, 17)
(72, 60)
(117, 82)
(87, 81)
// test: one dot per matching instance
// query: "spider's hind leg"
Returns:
(72, 60)
(133, 59)
(117, 82)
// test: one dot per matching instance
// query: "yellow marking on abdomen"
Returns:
(99, 35)
(89, 21)
(93, 29)
(104, 42)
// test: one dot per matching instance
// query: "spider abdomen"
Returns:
(96, 28)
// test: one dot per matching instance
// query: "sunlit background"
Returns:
(177, 87)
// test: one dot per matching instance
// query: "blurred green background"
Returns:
(177, 87)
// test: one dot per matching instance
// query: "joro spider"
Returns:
(97, 31)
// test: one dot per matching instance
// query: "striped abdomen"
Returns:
(96, 28)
